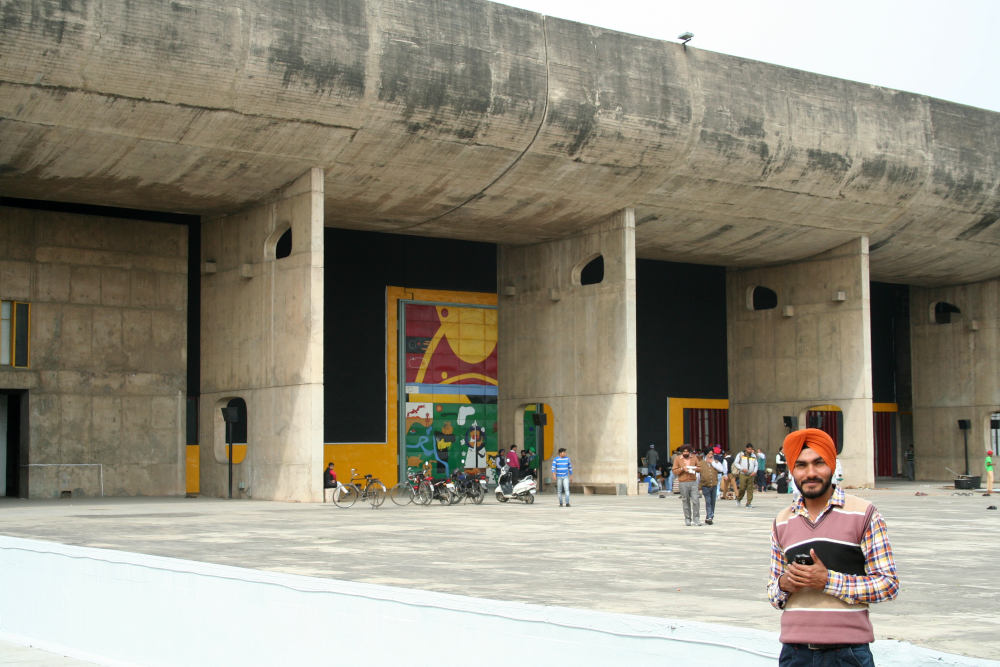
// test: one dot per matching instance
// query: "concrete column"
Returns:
(813, 349)
(956, 375)
(262, 341)
(572, 347)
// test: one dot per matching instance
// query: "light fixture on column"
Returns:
(839, 296)
(788, 311)
(509, 290)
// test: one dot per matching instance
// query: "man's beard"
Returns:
(827, 483)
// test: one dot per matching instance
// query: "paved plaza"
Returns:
(630, 555)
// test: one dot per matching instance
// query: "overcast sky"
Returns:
(943, 48)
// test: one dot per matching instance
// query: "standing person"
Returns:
(746, 466)
(652, 458)
(761, 470)
(515, 464)
(730, 480)
(779, 463)
(562, 475)
(824, 601)
(989, 472)
(670, 470)
(686, 471)
(330, 482)
(708, 483)
(908, 459)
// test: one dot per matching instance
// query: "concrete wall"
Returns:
(262, 341)
(107, 377)
(956, 375)
(782, 362)
(572, 347)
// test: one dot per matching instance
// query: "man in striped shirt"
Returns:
(830, 559)
(562, 474)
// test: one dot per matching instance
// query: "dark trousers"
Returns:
(799, 655)
(710, 493)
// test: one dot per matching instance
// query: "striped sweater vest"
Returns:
(812, 616)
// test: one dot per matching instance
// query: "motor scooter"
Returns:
(524, 490)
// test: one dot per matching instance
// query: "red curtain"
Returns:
(883, 444)
(704, 427)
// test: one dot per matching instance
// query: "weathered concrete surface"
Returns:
(573, 347)
(956, 377)
(480, 121)
(783, 362)
(612, 553)
(262, 341)
(108, 348)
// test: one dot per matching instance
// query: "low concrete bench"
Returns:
(604, 489)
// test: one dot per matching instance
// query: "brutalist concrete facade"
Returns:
(478, 121)
(107, 375)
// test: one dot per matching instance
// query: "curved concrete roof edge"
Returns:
(481, 121)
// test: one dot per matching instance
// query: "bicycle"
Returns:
(371, 491)
(416, 489)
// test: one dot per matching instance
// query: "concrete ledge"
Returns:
(117, 608)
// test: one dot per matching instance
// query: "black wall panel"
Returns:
(680, 340)
(359, 266)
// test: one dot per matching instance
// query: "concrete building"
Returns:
(397, 232)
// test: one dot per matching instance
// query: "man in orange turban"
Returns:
(830, 553)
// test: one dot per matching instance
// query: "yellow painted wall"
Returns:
(192, 469)
(675, 416)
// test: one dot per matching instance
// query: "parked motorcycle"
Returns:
(444, 492)
(523, 490)
(469, 486)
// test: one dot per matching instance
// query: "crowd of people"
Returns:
(715, 474)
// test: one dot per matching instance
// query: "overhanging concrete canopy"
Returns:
(479, 121)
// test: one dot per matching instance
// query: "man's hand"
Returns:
(798, 576)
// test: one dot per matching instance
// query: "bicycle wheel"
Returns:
(456, 497)
(401, 494)
(375, 493)
(477, 494)
(425, 493)
(346, 495)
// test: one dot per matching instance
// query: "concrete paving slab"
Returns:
(619, 554)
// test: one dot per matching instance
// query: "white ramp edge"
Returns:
(120, 608)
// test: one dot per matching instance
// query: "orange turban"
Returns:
(816, 440)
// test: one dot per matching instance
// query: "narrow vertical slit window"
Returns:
(15, 334)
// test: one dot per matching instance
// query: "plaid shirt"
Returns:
(878, 584)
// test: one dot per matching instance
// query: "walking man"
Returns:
(686, 471)
(562, 475)
(708, 482)
(830, 559)
(746, 467)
